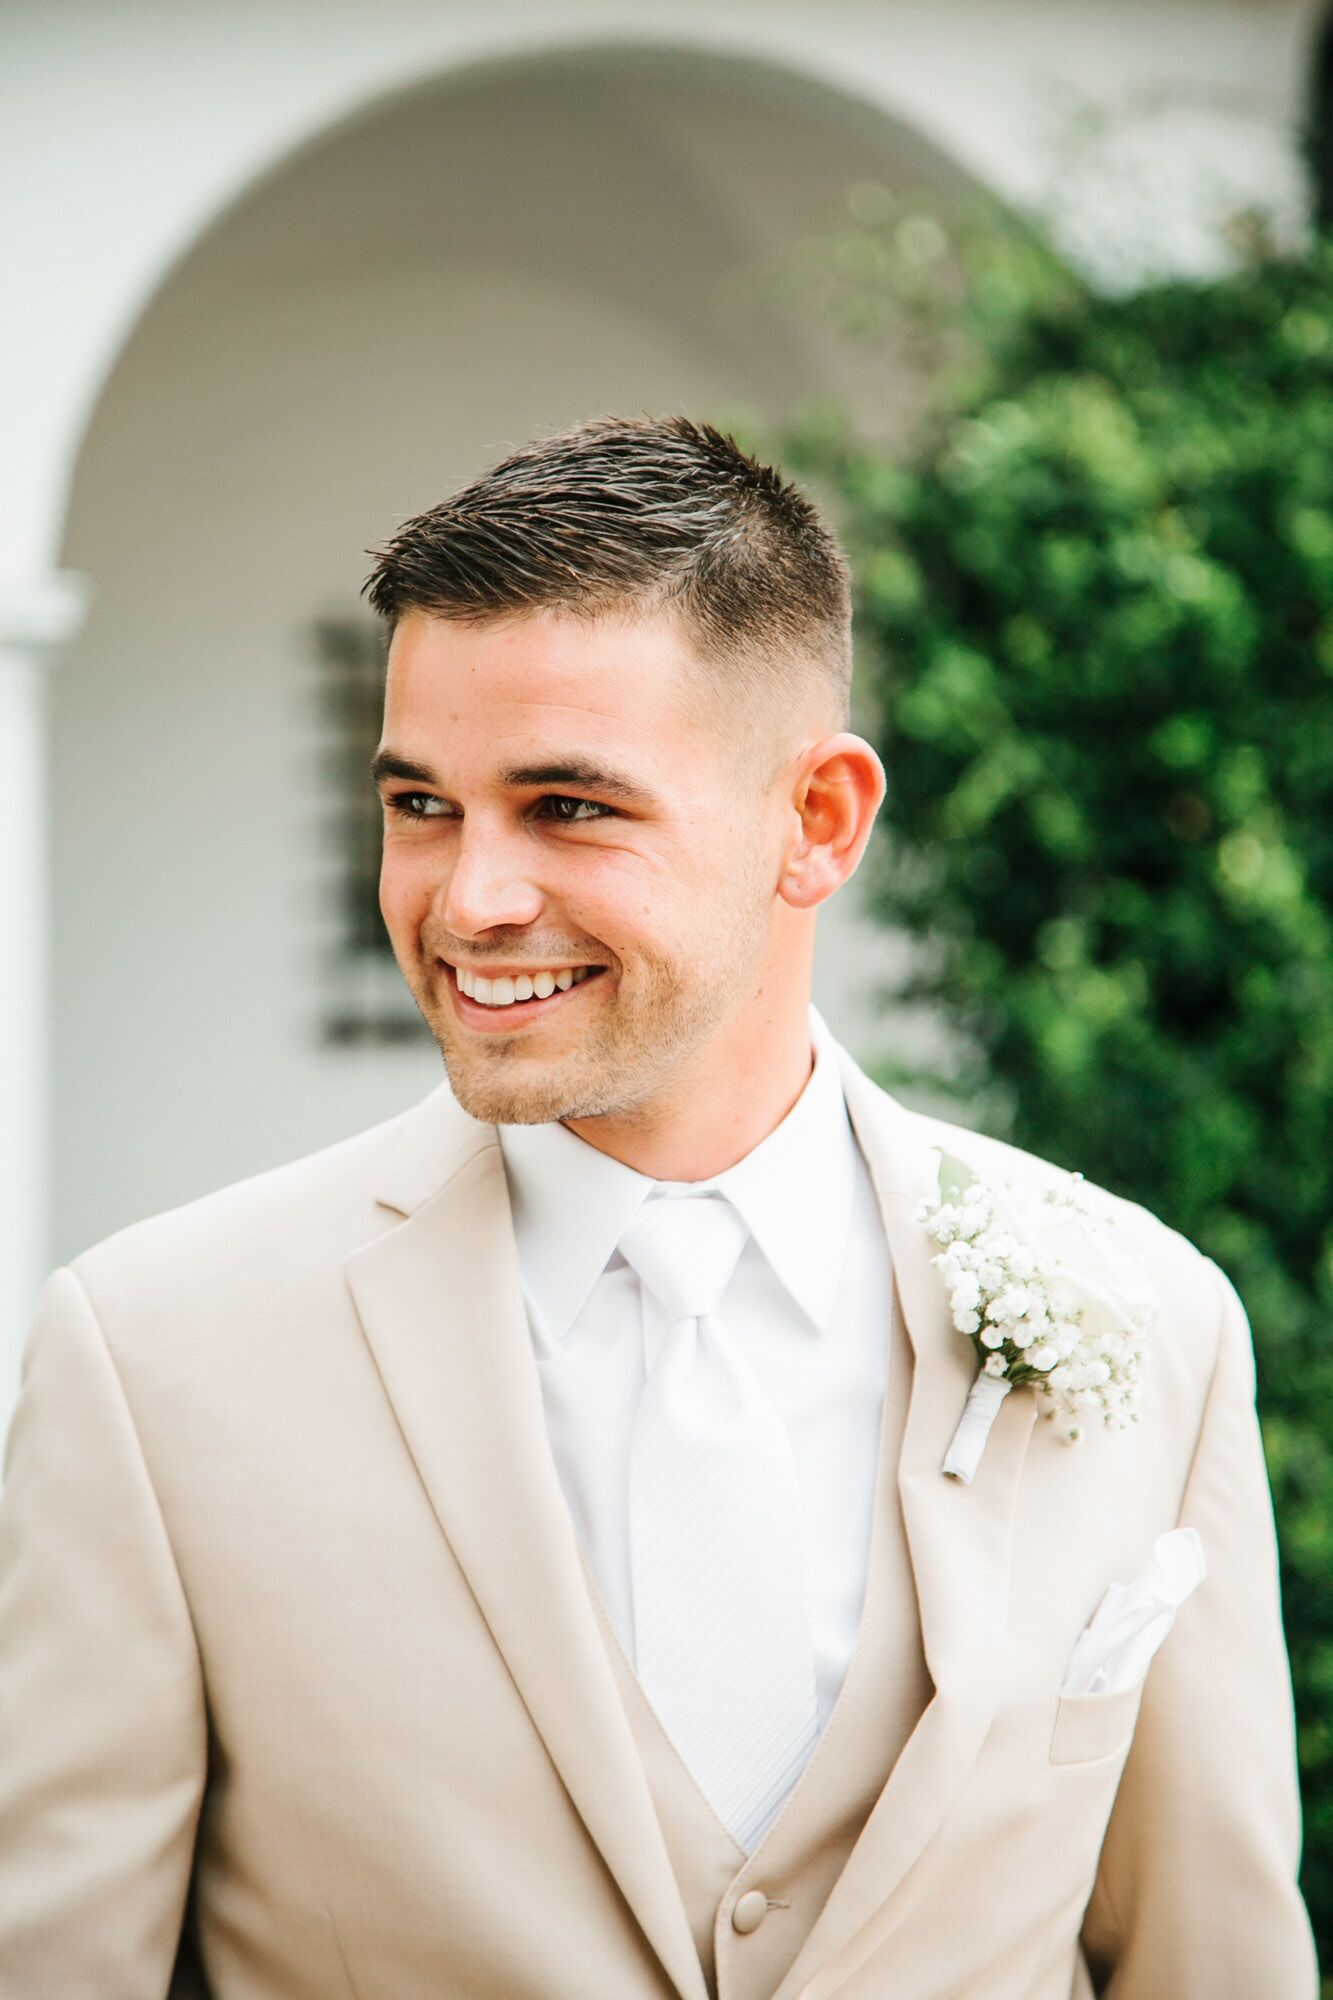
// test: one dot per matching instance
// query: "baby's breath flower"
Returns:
(1078, 1337)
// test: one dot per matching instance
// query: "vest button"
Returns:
(750, 1911)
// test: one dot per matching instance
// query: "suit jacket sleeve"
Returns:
(1196, 1891)
(102, 1724)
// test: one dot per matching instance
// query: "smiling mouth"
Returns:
(499, 1000)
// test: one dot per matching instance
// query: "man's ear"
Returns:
(839, 788)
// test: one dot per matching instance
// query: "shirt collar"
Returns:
(571, 1204)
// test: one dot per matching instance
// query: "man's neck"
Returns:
(730, 1104)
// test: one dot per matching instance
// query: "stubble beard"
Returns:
(626, 1059)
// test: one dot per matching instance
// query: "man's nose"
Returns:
(488, 885)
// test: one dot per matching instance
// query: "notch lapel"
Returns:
(440, 1302)
(961, 1543)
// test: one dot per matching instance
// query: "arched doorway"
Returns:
(502, 251)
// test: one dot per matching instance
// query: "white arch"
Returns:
(184, 156)
(184, 113)
(182, 109)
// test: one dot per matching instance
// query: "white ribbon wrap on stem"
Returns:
(979, 1413)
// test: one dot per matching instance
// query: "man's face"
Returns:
(571, 813)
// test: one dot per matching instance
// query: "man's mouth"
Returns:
(528, 990)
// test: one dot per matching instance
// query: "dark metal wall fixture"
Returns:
(364, 1000)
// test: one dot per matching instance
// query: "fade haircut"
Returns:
(637, 516)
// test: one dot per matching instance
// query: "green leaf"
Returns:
(955, 1177)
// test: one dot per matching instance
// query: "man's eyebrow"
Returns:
(387, 764)
(583, 775)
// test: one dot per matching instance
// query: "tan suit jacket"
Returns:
(305, 1693)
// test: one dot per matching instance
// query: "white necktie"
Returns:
(722, 1619)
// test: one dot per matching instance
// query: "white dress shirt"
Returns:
(808, 1304)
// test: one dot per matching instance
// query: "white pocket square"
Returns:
(1130, 1623)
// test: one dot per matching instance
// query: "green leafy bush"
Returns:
(1096, 619)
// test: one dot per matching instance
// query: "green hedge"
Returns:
(1096, 638)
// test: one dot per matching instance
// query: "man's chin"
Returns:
(496, 1092)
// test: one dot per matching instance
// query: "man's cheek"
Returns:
(407, 888)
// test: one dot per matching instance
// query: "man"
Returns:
(507, 1554)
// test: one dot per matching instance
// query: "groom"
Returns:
(506, 1556)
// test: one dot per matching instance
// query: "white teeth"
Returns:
(504, 992)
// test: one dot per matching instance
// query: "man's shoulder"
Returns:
(305, 1214)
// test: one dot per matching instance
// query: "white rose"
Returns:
(1094, 1274)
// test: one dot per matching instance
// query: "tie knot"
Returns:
(685, 1248)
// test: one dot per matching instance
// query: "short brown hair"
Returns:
(637, 514)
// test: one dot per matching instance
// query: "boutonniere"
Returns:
(1046, 1296)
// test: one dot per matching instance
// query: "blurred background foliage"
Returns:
(1096, 650)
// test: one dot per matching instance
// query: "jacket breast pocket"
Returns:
(1089, 1726)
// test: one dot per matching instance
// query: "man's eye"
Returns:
(417, 805)
(557, 807)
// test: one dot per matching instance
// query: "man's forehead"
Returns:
(547, 645)
(549, 689)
